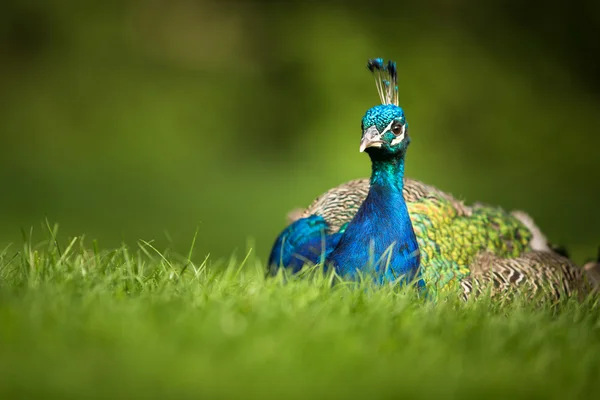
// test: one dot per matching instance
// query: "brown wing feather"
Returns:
(535, 272)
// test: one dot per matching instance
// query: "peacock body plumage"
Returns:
(530, 264)
(402, 227)
(449, 233)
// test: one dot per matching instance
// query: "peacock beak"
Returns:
(371, 138)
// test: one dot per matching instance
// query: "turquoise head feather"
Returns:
(384, 127)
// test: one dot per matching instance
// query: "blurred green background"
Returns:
(124, 120)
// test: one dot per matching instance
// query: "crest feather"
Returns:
(386, 79)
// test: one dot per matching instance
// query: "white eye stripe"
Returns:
(398, 138)
(388, 128)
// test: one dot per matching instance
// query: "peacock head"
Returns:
(384, 127)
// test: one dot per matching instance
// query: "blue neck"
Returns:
(381, 221)
(388, 173)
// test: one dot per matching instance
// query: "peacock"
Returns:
(403, 229)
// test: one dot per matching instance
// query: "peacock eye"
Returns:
(397, 129)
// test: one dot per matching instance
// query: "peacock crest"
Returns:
(386, 79)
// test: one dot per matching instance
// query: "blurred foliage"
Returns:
(125, 119)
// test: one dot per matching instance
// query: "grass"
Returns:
(77, 322)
